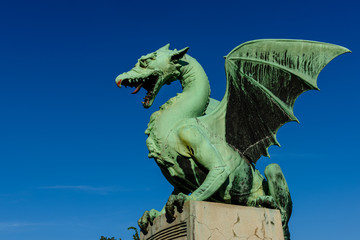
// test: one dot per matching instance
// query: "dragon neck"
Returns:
(191, 103)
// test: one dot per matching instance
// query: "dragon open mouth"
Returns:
(148, 83)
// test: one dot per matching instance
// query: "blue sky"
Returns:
(72, 145)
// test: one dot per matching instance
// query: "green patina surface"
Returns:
(208, 149)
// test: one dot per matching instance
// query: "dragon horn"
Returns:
(164, 48)
(179, 54)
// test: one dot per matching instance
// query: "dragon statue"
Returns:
(208, 149)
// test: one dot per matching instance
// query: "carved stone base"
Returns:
(216, 221)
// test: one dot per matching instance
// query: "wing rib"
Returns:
(288, 70)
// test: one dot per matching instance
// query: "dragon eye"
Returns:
(143, 63)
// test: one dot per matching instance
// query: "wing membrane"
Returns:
(264, 78)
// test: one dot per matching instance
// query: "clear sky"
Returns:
(72, 146)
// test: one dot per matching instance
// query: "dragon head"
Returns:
(152, 71)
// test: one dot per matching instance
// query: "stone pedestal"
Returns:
(217, 221)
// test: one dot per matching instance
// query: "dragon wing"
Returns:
(264, 78)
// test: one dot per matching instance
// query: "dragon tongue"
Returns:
(137, 89)
(119, 83)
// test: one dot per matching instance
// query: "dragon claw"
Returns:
(147, 219)
(265, 201)
(175, 201)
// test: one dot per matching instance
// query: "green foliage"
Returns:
(135, 236)
(105, 238)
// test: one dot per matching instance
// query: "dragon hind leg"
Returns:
(279, 190)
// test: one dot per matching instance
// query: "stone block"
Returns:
(217, 221)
